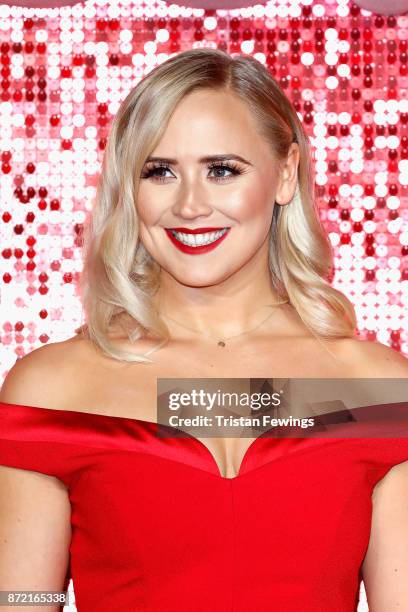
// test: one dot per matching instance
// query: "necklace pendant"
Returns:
(221, 343)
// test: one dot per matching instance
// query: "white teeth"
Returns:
(199, 239)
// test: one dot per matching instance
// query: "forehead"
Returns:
(208, 121)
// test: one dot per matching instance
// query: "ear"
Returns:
(288, 176)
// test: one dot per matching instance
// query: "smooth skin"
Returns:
(202, 291)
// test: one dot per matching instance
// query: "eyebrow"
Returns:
(202, 160)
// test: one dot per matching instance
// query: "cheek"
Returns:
(254, 207)
(146, 211)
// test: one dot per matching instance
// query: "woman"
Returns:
(205, 146)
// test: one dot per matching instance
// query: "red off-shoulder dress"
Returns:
(157, 528)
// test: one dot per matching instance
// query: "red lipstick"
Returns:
(195, 250)
(199, 230)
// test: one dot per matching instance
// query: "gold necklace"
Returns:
(222, 341)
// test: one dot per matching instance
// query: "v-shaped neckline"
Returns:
(146, 424)
(207, 456)
(207, 451)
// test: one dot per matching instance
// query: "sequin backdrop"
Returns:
(64, 73)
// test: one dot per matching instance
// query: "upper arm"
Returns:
(35, 532)
(385, 567)
(35, 512)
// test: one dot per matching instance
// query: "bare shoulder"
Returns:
(40, 378)
(370, 359)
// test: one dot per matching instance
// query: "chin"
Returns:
(198, 280)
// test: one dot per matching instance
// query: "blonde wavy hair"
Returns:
(119, 277)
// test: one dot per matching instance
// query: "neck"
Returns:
(218, 311)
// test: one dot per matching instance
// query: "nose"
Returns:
(192, 200)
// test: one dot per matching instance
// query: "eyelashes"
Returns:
(152, 171)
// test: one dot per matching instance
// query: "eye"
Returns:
(153, 171)
(233, 168)
(158, 171)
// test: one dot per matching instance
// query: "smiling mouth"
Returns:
(199, 239)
